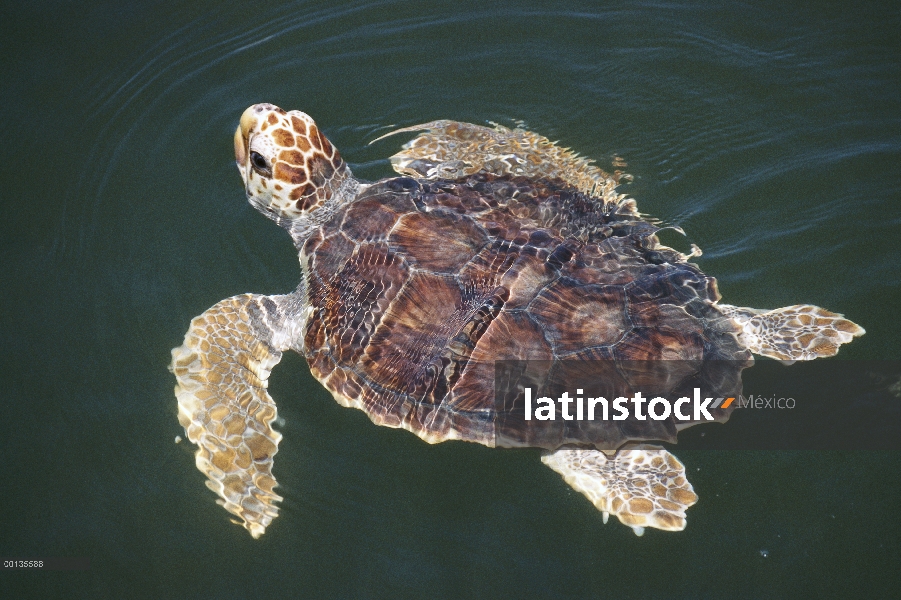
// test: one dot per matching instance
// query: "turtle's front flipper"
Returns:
(643, 485)
(800, 332)
(451, 150)
(222, 370)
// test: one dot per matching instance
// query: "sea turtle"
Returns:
(493, 244)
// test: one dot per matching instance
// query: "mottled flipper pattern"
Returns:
(643, 485)
(222, 370)
(451, 150)
(799, 332)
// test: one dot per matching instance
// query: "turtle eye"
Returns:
(259, 163)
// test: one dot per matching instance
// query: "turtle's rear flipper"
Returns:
(222, 369)
(799, 332)
(643, 485)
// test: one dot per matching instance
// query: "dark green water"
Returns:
(770, 132)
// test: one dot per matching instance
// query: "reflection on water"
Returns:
(770, 134)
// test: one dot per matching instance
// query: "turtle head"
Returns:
(288, 166)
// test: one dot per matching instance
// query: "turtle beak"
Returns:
(242, 140)
(240, 149)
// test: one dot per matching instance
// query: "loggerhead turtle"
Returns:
(492, 244)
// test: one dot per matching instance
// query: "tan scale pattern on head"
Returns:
(643, 485)
(288, 166)
(799, 332)
(221, 370)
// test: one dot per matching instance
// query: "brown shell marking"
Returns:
(358, 298)
(368, 221)
(405, 353)
(577, 316)
(440, 242)
(415, 302)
